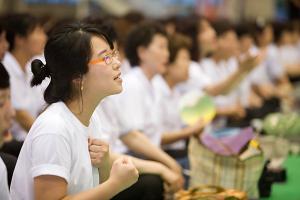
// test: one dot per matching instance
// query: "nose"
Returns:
(116, 64)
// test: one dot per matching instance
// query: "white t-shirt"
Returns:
(136, 108)
(105, 126)
(273, 64)
(57, 144)
(197, 79)
(23, 96)
(219, 72)
(269, 69)
(125, 66)
(289, 55)
(169, 110)
(4, 192)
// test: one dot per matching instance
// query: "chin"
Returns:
(117, 90)
(162, 70)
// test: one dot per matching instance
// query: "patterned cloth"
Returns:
(208, 168)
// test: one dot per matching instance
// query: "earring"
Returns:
(81, 84)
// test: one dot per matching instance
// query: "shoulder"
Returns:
(52, 121)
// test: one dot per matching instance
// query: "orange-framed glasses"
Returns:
(107, 58)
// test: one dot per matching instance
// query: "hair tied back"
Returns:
(40, 72)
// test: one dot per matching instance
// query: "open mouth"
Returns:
(118, 77)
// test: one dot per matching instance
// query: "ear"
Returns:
(141, 52)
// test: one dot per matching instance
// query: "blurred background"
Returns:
(233, 10)
(223, 32)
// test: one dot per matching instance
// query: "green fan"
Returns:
(196, 105)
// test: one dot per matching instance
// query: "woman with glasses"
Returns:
(57, 157)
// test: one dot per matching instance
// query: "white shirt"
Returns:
(23, 96)
(105, 126)
(4, 192)
(169, 110)
(218, 72)
(259, 75)
(273, 64)
(289, 55)
(136, 108)
(101, 127)
(269, 69)
(125, 67)
(57, 144)
(197, 79)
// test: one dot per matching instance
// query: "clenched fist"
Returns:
(123, 173)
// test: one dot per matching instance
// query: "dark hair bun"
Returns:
(40, 72)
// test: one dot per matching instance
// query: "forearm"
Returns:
(293, 70)
(226, 85)
(105, 191)
(140, 144)
(143, 166)
(25, 119)
(148, 167)
(266, 90)
(104, 172)
(171, 137)
(226, 111)
(254, 100)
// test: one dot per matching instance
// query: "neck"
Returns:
(218, 56)
(204, 52)
(147, 71)
(263, 44)
(170, 82)
(21, 57)
(83, 108)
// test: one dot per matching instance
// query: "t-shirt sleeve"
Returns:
(17, 96)
(51, 155)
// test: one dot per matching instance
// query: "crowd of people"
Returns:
(89, 108)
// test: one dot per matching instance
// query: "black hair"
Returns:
(134, 17)
(4, 77)
(281, 28)
(222, 27)
(105, 25)
(189, 26)
(67, 53)
(176, 43)
(259, 27)
(1, 27)
(141, 35)
(192, 26)
(19, 24)
(244, 29)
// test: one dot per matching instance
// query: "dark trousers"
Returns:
(10, 163)
(148, 187)
(13, 147)
(269, 106)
